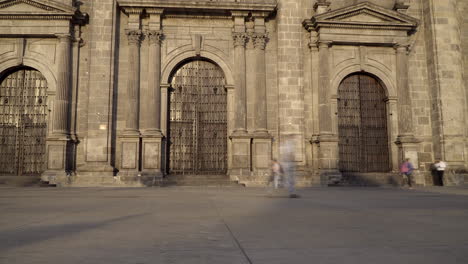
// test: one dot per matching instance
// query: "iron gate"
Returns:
(362, 125)
(198, 125)
(23, 122)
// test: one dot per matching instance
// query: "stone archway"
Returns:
(362, 125)
(197, 124)
(23, 121)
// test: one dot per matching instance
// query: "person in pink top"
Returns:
(407, 169)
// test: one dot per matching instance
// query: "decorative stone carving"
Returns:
(240, 39)
(133, 36)
(155, 36)
(260, 40)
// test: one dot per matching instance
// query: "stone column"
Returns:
(129, 146)
(405, 121)
(58, 141)
(62, 98)
(133, 82)
(240, 122)
(407, 143)
(262, 141)
(327, 140)
(152, 102)
(260, 115)
(151, 134)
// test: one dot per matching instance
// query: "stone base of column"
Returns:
(57, 157)
(261, 158)
(241, 166)
(128, 155)
(328, 156)
(152, 156)
(409, 147)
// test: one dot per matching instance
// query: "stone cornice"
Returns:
(241, 5)
(343, 18)
(45, 10)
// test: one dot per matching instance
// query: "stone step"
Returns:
(198, 180)
(370, 179)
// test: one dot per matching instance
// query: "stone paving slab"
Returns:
(233, 225)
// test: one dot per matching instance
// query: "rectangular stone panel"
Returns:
(96, 149)
(129, 155)
(262, 155)
(151, 155)
(56, 157)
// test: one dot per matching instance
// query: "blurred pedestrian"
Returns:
(406, 169)
(287, 155)
(276, 172)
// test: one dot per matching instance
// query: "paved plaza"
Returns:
(233, 225)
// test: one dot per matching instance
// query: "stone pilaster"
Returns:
(240, 122)
(152, 103)
(129, 144)
(62, 98)
(260, 115)
(328, 142)
(58, 143)
(152, 138)
(133, 83)
(407, 143)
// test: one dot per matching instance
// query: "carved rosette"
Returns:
(240, 39)
(260, 40)
(155, 36)
(133, 36)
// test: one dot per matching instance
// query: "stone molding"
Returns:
(240, 5)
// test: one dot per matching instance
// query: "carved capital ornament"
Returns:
(155, 36)
(133, 36)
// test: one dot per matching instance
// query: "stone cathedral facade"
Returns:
(129, 92)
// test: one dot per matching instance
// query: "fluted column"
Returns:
(133, 84)
(260, 115)
(240, 122)
(405, 120)
(62, 98)
(325, 122)
(153, 99)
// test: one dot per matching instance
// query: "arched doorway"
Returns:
(23, 122)
(197, 133)
(362, 125)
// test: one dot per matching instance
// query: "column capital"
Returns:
(260, 40)
(155, 36)
(240, 38)
(133, 35)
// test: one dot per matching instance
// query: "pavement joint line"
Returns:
(230, 232)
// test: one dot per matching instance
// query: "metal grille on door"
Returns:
(23, 122)
(362, 125)
(198, 125)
